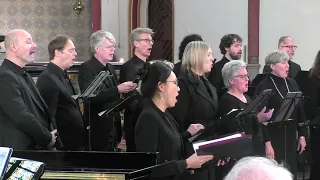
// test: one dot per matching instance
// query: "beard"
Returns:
(235, 56)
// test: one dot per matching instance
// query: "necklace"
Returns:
(285, 81)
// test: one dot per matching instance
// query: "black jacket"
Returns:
(101, 127)
(215, 76)
(157, 131)
(25, 121)
(56, 89)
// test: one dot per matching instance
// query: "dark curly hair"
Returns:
(185, 41)
(227, 41)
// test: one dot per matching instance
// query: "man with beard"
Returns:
(287, 45)
(141, 41)
(103, 136)
(230, 47)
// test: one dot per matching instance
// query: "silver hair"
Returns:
(283, 40)
(276, 56)
(135, 34)
(230, 70)
(97, 38)
(258, 168)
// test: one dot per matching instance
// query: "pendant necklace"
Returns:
(285, 81)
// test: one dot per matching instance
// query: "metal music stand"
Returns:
(283, 115)
(92, 90)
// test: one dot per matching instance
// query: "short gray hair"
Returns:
(97, 38)
(283, 39)
(135, 34)
(276, 56)
(230, 70)
(258, 168)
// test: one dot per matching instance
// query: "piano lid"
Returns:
(62, 160)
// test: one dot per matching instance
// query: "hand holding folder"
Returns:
(234, 146)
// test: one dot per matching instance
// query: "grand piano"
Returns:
(93, 165)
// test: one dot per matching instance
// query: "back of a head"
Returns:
(258, 168)
(151, 74)
(186, 40)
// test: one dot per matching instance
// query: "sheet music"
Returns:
(197, 145)
(5, 154)
(233, 110)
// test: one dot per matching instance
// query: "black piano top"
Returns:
(36, 68)
(71, 160)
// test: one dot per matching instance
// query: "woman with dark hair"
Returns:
(315, 116)
(156, 130)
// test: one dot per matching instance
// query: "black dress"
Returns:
(283, 135)
(248, 124)
(315, 130)
(157, 131)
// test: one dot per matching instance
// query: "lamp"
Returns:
(78, 7)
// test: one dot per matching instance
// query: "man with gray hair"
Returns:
(141, 42)
(287, 45)
(258, 168)
(103, 136)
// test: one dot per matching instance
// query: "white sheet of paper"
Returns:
(196, 145)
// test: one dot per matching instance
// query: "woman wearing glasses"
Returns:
(197, 100)
(236, 79)
(156, 130)
(281, 138)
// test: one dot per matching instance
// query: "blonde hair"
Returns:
(194, 56)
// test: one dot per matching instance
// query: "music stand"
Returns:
(117, 107)
(92, 90)
(284, 113)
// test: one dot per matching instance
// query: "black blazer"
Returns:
(56, 90)
(101, 128)
(24, 117)
(128, 72)
(215, 76)
(294, 69)
(157, 131)
(177, 68)
(197, 103)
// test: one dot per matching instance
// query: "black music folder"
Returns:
(289, 103)
(234, 145)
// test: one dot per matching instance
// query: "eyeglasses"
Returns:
(110, 47)
(174, 82)
(149, 41)
(244, 76)
(290, 47)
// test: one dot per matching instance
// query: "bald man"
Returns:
(25, 123)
